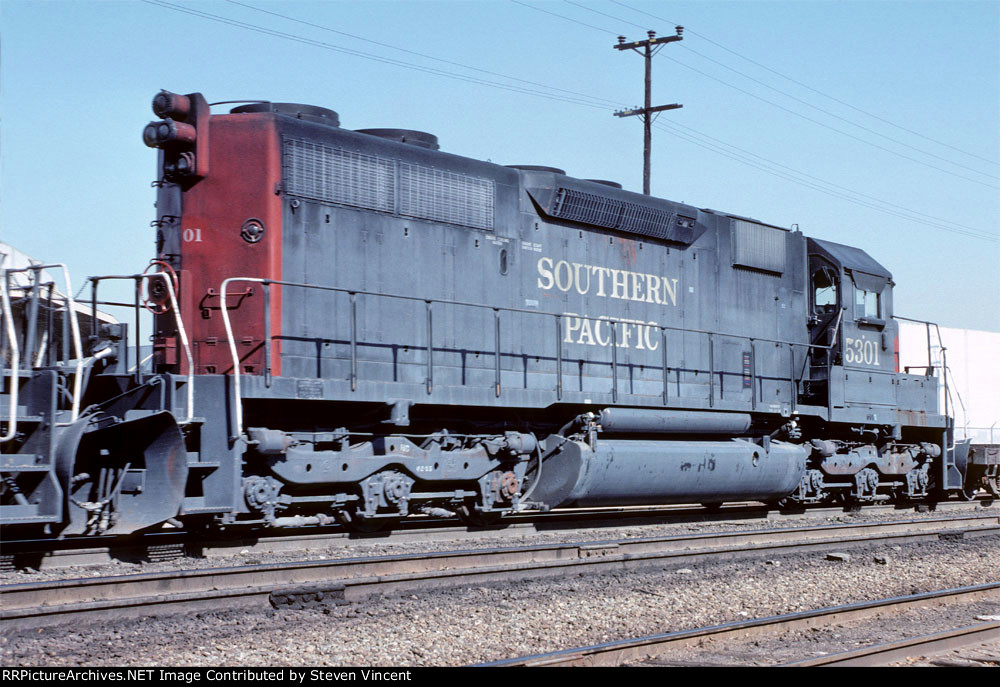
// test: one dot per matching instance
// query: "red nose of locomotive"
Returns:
(211, 227)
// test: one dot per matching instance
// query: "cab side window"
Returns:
(867, 304)
(824, 291)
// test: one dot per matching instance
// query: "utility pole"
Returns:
(650, 47)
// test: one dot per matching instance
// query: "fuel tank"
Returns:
(637, 472)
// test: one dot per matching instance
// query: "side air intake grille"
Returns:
(577, 206)
(758, 246)
(442, 196)
(344, 177)
(621, 215)
(339, 176)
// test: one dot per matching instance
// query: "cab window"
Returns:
(824, 291)
(867, 303)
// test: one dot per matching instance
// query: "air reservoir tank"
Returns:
(643, 471)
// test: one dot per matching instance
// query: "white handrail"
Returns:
(8, 318)
(237, 402)
(237, 428)
(180, 331)
(184, 341)
(74, 328)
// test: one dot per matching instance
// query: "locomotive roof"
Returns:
(852, 258)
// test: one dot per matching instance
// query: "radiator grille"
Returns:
(612, 213)
(335, 175)
(588, 208)
(646, 221)
(344, 177)
(443, 196)
(758, 246)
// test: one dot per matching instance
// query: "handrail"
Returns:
(8, 317)
(944, 356)
(927, 324)
(237, 428)
(74, 327)
(180, 328)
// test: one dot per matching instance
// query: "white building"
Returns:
(973, 359)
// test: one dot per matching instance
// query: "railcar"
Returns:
(356, 326)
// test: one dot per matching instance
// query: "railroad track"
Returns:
(345, 580)
(165, 546)
(645, 649)
(925, 645)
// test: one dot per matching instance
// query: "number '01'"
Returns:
(192, 235)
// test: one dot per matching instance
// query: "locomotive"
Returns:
(356, 327)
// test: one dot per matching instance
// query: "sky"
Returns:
(873, 124)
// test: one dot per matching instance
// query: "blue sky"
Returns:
(875, 124)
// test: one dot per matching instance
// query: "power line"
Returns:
(604, 14)
(419, 54)
(831, 128)
(575, 21)
(816, 187)
(814, 90)
(327, 46)
(836, 116)
(368, 56)
(743, 154)
(793, 112)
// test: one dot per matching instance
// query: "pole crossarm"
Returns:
(644, 111)
(642, 44)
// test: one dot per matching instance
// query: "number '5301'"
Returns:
(861, 352)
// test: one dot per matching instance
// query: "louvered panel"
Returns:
(335, 175)
(443, 196)
(345, 177)
(758, 246)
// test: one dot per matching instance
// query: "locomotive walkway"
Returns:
(340, 581)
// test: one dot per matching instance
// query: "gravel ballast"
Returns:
(485, 623)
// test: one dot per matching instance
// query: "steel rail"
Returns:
(48, 554)
(646, 648)
(883, 654)
(46, 603)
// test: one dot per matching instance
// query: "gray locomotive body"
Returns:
(362, 327)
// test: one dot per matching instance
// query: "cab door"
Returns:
(826, 304)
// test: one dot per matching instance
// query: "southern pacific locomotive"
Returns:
(354, 326)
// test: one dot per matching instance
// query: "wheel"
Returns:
(468, 514)
(968, 493)
(353, 522)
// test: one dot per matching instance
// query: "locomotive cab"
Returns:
(850, 326)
